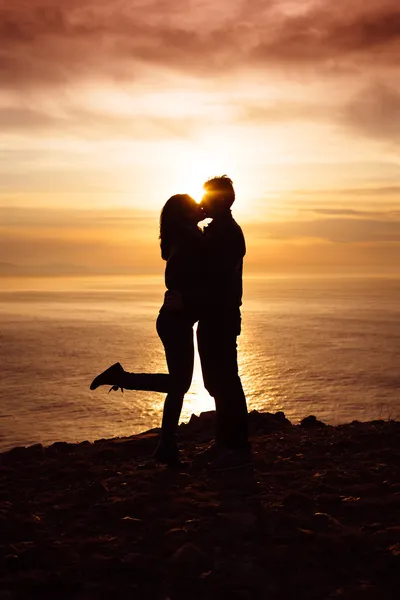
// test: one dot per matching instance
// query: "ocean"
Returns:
(328, 347)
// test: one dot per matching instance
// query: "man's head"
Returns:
(219, 196)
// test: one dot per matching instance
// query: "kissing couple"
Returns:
(203, 277)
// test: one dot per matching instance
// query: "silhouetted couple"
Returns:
(203, 277)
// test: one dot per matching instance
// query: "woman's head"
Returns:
(178, 213)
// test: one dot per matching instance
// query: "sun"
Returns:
(190, 164)
(197, 164)
(197, 171)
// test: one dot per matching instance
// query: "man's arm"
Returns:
(226, 248)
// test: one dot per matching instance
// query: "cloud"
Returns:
(97, 240)
(341, 34)
(43, 270)
(47, 42)
(52, 53)
(138, 221)
(86, 124)
(278, 112)
(350, 212)
(61, 241)
(392, 190)
(375, 112)
(336, 230)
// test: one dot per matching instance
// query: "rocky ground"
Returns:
(317, 517)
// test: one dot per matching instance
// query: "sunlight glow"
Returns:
(197, 400)
(198, 162)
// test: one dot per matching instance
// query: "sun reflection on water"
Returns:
(198, 400)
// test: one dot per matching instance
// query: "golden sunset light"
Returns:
(199, 299)
(113, 108)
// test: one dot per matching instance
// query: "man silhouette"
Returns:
(220, 324)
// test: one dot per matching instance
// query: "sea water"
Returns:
(329, 347)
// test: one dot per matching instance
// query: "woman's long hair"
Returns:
(173, 221)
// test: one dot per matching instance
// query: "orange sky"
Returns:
(108, 108)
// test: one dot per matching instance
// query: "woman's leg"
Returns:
(176, 332)
(118, 378)
(150, 382)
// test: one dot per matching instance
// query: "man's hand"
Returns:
(173, 300)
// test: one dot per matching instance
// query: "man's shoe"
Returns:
(111, 376)
(210, 453)
(230, 459)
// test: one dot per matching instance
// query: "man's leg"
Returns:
(216, 338)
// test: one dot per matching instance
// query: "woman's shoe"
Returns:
(167, 453)
(111, 376)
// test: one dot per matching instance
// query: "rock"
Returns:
(244, 571)
(362, 591)
(12, 563)
(237, 537)
(61, 447)
(140, 566)
(391, 535)
(323, 522)
(238, 595)
(17, 453)
(328, 502)
(298, 501)
(311, 422)
(132, 522)
(192, 524)
(175, 538)
(395, 549)
(35, 451)
(202, 423)
(190, 557)
(280, 415)
(267, 422)
(244, 521)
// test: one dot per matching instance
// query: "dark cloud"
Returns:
(375, 112)
(326, 33)
(50, 45)
(52, 42)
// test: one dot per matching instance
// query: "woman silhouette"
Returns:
(181, 243)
